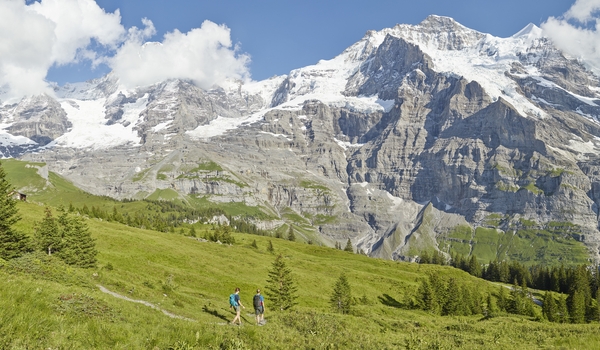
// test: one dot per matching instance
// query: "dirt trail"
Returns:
(117, 295)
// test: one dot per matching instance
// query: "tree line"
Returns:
(165, 216)
(572, 293)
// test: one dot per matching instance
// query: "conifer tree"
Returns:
(503, 301)
(425, 258)
(254, 245)
(491, 307)
(426, 297)
(598, 305)
(291, 235)
(437, 258)
(563, 311)
(116, 216)
(474, 266)
(549, 309)
(78, 247)
(47, 235)
(341, 298)
(576, 305)
(452, 304)
(466, 303)
(12, 243)
(193, 232)
(270, 248)
(280, 285)
(348, 247)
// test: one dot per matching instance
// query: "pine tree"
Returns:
(47, 235)
(254, 245)
(425, 258)
(291, 235)
(12, 243)
(116, 216)
(427, 298)
(466, 303)
(503, 301)
(491, 308)
(597, 305)
(348, 247)
(78, 247)
(341, 298)
(576, 305)
(193, 232)
(563, 311)
(549, 309)
(280, 285)
(474, 266)
(270, 248)
(452, 304)
(437, 258)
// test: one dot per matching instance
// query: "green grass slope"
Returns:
(45, 304)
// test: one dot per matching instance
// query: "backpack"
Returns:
(256, 301)
(232, 301)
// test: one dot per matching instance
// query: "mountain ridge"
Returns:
(409, 124)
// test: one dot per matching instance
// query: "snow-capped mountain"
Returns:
(408, 133)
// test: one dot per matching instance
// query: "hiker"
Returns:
(235, 302)
(259, 307)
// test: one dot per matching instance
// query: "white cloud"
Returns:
(577, 32)
(204, 55)
(583, 10)
(37, 36)
(77, 22)
(52, 32)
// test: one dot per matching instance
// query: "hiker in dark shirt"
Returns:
(236, 306)
(259, 307)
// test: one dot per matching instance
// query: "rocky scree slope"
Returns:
(406, 135)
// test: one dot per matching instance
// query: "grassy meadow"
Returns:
(45, 304)
(171, 291)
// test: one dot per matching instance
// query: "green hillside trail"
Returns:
(143, 302)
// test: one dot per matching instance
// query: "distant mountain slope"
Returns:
(431, 124)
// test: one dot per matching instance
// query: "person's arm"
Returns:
(240, 302)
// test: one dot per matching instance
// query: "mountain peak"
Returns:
(440, 22)
(529, 31)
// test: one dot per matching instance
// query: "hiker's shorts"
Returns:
(259, 310)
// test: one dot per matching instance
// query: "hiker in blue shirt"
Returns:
(259, 308)
(235, 302)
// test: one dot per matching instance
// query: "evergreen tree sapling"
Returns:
(348, 247)
(291, 235)
(47, 235)
(12, 243)
(270, 248)
(341, 298)
(78, 248)
(280, 285)
(549, 309)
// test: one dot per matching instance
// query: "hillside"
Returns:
(553, 244)
(45, 302)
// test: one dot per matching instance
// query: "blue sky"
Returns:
(283, 35)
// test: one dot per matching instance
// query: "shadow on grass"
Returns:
(387, 300)
(215, 313)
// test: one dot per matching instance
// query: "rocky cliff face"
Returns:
(406, 135)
